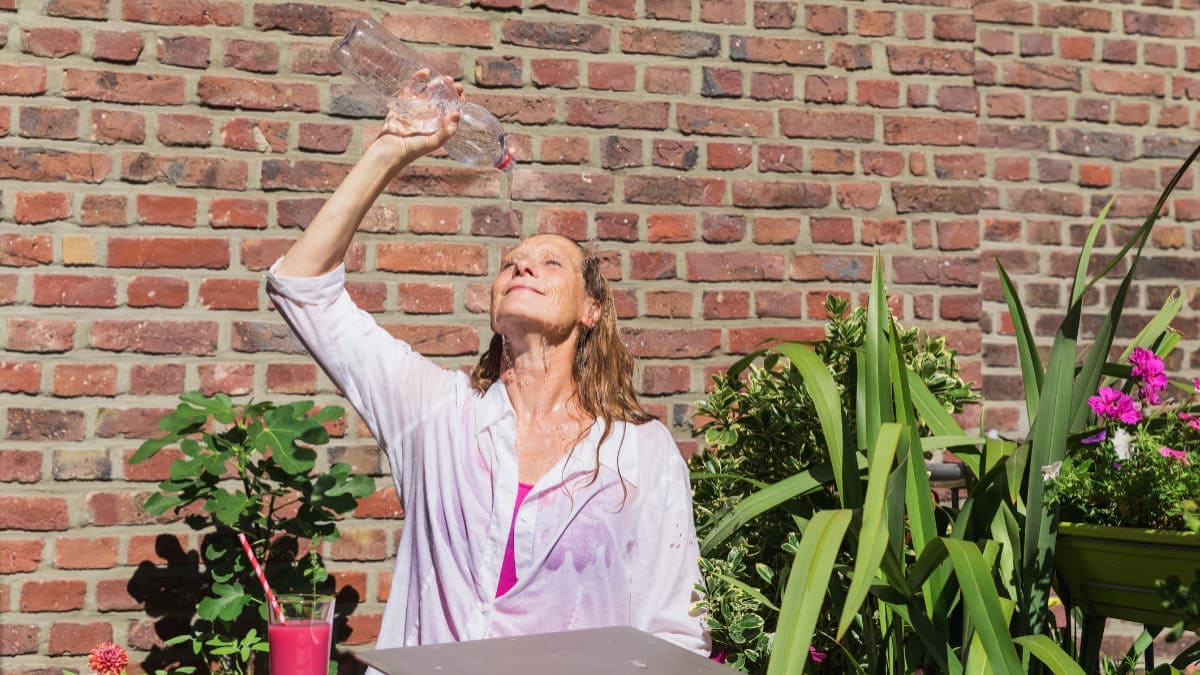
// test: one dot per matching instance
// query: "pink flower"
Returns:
(1149, 369)
(817, 656)
(1178, 455)
(719, 657)
(1192, 421)
(1111, 404)
(108, 659)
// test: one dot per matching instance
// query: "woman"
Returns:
(538, 495)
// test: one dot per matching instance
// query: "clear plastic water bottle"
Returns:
(416, 91)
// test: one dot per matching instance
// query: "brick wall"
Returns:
(735, 160)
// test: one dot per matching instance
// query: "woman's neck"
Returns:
(539, 378)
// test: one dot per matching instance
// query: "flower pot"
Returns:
(1111, 571)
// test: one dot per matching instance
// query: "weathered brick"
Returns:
(584, 37)
(198, 338)
(777, 50)
(184, 12)
(123, 87)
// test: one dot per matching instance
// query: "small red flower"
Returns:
(108, 659)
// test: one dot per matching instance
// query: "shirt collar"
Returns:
(616, 453)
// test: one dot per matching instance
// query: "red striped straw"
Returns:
(262, 578)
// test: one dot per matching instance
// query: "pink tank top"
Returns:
(508, 570)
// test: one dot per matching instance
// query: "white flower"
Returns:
(1050, 472)
(1122, 444)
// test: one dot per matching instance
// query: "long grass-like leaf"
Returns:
(803, 483)
(1088, 379)
(872, 539)
(827, 401)
(1027, 352)
(1048, 652)
(804, 595)
(983, 604)
(876, 393)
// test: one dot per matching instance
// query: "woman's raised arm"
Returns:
(323, 244)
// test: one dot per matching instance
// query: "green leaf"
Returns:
(159, 503)
(1048, 652)
(804, 596)
(225, 604)
(878, 396)
(827, 401)
(983, 604)
(803, 483)
(151, 447)
(873, 538)
(1027, 353)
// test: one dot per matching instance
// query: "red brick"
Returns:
(103, 210)
(469, 259)
(292, 378)
(198, 338)
(118, 126)
(777, 50)
(33, 513)
(252, 56)
(22, 80)
(184, 252)
(359, 545)
(652, 265)
(117, 46)
(20, 377)
(41, 207)
(40, 335)
(230, 92)
(26, 424)
(221, 293)
(237, 212)
(72, 379)
(255, 135)
(18, 638)
(667, 80)
(78, 9)
(72, 290)
(185, 51)
(166, 210)
(52, 596)
(668, 304)
(234, 379)
(670, 227)
(438, 340)
(746, 340)
(78, 638)
(56, 123)
(185, 130)
(184, 12)
(726, 304)
(155, 291)
(559, 73)
(123, 87)
(784, 304)
(79, 553)
(161, 378)
(20, 555)
(51, 42)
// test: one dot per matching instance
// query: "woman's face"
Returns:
(540, 289)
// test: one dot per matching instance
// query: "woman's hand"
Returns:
(402, 141)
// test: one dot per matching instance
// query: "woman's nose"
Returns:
(522, 267)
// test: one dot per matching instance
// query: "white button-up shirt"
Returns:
(619, 551)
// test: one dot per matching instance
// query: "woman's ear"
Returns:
(591, 313)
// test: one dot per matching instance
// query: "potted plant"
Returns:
(1062, 400)
(244, 468)
(761, 425)
(1121, 491)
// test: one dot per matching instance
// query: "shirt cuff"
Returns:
(322, 288)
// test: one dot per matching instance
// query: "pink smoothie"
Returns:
(299, 648)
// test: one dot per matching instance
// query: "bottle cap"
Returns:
(507, 161)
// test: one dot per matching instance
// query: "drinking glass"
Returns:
(300, 640)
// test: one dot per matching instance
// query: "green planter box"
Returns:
(1111, 571)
